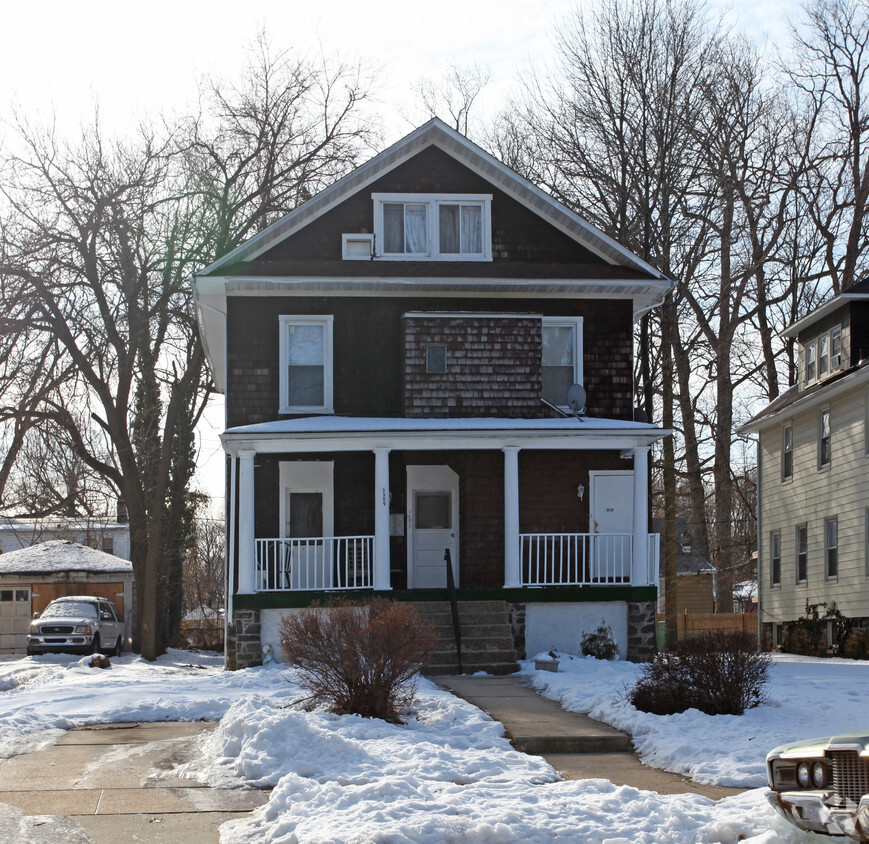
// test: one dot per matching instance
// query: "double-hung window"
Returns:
(306, 364)
(811, 364)
(802, 538)
(831, 547)
(775, 558)
(433, 227)
(823, 355)
(825, 439)
(562, 357)
(787, 451)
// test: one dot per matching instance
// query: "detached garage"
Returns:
(31, 578)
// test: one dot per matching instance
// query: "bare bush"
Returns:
(359, 658)
(719, 674)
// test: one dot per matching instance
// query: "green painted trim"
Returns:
(543, 595)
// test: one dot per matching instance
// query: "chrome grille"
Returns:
(850, 774)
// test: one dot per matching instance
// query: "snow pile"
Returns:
(807, 697)
(449, 774)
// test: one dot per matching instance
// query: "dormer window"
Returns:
(432, 227)
(823, 355)
(811, 371)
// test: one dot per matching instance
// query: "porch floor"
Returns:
(577, 746)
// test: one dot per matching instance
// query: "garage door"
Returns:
(14, 618)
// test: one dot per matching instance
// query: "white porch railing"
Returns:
(328, 562)
(585, 559)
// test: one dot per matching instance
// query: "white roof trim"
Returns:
(338, 433)
(821, 311)
(437, 133)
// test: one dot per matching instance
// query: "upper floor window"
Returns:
(775, 558)
(787, 452)
(811, 368)
(562, 357)
(440, 227)
(108, 544)
(825, 439)
(836, 348)
(306, 364)
(823, 355)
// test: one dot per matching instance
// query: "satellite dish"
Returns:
(576, 399)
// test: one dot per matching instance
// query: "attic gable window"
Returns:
(432, 227)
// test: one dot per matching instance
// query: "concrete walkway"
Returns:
(575, 745)
(108, 784)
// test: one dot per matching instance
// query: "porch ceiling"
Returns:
(342, 433)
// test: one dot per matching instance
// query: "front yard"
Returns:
(448, 774)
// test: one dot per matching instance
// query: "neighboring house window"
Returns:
(836, 348)
(787, 452)
(825, 439)
(823, 355)
(435, 360)
(562, 358)
(831, 547)
(811, 371)
(306, 364)
(109, 544)
(775, 558)
(440, 227)
(802, 553)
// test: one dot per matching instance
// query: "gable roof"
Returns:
(61, 555)
(437, 133)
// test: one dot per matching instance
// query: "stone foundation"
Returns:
(642, 645)
(245, 643)
(516, 614)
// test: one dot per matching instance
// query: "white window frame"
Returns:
(432, 201)
(831, 550)
(798, 553)
(812, 358)
(787, 466)
(326, 320)
(576, 324)
(822, 463)
(775, 554)
(836, 358)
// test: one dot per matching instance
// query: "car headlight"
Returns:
(34, 629)
(83, 628)
(819, 775)
(803, 775)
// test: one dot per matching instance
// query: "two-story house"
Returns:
(396, 356)
(813, 471)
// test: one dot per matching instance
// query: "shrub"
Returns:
(857, 644)
(359, 658)
(717, 673)
(600, 643)
(807, 635)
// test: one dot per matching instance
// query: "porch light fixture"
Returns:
(580, 491)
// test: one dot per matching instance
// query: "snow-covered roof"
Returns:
(376, 425)
(61, 555)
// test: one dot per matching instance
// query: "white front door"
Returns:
(433, 525)
(306, 517)
(612, 521)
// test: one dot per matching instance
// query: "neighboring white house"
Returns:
(813, 471)
(110, 536)
(32, 577)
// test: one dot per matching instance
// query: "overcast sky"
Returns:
(62, 58)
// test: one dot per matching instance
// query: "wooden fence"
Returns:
(692, 623)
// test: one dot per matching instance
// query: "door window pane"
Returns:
(433, 511)
(306, 515)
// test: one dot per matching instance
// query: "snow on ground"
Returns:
(448, 774)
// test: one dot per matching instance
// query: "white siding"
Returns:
(810, 497)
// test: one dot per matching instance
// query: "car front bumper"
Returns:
(72, 644)
(809, 810)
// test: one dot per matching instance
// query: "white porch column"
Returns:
(381, 519)
(640, 561)
(512, 572)
(246, 541)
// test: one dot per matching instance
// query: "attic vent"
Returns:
(357, 247)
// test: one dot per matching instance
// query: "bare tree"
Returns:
(99, 344)
(451, 97)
